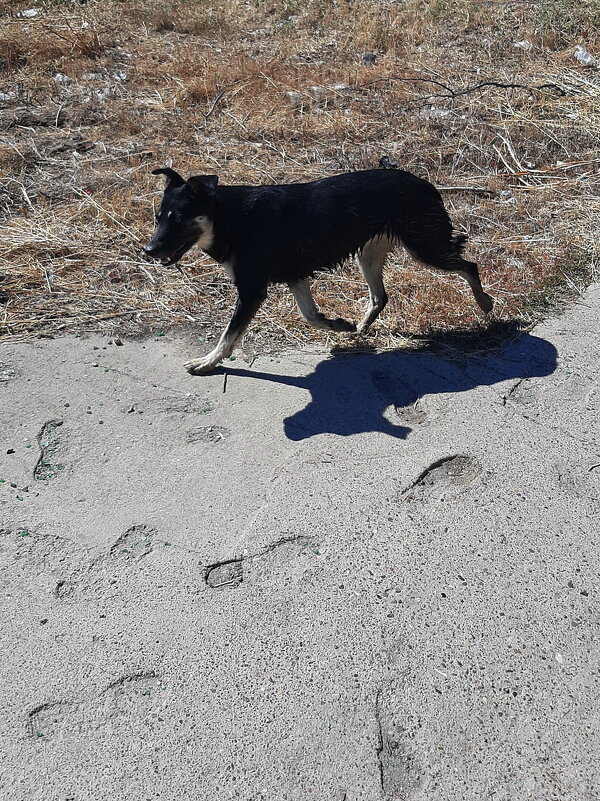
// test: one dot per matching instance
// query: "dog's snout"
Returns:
(150, 249)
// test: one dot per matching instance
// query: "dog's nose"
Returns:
(150, 249)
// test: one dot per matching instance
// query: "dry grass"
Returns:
(94, 96)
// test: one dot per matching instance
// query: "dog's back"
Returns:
(299, 229)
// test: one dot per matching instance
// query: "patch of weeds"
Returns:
(563, 22)
(562, 286)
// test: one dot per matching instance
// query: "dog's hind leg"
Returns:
(435, 247)
(310, 311)
(468, 270)
(245, 309)
(371, 260)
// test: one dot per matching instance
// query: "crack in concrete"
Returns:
(379, 746)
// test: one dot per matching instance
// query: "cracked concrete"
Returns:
(368, 577)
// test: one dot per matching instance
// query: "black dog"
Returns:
(284, 234)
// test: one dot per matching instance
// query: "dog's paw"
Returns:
(486, 303)
(200, 366)
(343, 325)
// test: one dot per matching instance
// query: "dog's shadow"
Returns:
(352, 390)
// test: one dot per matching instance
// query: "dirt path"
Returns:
(360, 577)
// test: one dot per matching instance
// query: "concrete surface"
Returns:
(366, 577)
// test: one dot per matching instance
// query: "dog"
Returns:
(286, 233)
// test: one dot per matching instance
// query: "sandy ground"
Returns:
(355, 577)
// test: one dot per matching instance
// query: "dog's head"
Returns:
(184, 217)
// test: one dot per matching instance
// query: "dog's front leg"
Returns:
(246, 307)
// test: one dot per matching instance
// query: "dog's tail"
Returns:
(458, 243)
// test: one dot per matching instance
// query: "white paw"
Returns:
(201, 366)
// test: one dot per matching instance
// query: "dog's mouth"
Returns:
(173, 256)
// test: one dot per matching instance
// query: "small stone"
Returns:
(584, 57)
(296, 100)
(94, 364)
(10, 450)
(368, 58)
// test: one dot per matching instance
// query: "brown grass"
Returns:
(94, 96)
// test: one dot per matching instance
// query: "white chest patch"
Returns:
(205, 226)
(228, 268)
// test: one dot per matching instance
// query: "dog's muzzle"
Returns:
(166, 257)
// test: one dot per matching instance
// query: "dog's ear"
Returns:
(173, 178)
(203, 184)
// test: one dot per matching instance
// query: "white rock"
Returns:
(585, 57)
(434, 113)
(296, 99)
(29, 13)
(102, 94)
(525, 44)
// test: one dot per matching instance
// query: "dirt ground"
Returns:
(488, 101)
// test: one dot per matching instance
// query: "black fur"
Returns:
(286, 233)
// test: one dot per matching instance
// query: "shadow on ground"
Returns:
(352, 389)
